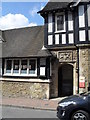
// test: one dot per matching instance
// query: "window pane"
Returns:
(60, 22)
(32, 66)
(24, 66)
(8, 66)
(16, 66)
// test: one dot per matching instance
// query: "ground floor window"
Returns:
(8, 66)
(20, 67)
(15, 66)
(32, 66)
(24, 66)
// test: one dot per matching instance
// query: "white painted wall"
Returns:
(82, 35)
(89, 34)
(50, 39)
(88, 12)
(63, 38)
(71, 40)
(57, 39)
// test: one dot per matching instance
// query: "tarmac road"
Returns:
(17, 112)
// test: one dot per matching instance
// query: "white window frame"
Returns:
(20, 74)
(56, 22)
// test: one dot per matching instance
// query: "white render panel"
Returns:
(57, 39)
(82, 35)
(88, 12)
(63, 38)
(50, 28)
(89, 35)
(81, 16)
(71, 40)
(50, 40)
(42, 71)
(70, 21)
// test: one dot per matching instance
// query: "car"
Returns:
(75, 107)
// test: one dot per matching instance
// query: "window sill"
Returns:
(60, 31)
(36, 80)
(20, 75)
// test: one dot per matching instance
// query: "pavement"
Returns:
(50, 104)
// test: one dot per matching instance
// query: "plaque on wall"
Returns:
(65, 56)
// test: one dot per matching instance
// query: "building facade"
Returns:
(51, 60)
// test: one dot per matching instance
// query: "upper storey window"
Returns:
(60, 22)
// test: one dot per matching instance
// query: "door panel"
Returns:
(65, 80)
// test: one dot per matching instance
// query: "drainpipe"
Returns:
(78, 67)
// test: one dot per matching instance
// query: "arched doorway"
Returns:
(65, 80)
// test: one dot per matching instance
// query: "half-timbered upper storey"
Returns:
(66, 23)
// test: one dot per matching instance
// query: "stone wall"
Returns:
(25, 89)
(84, 66)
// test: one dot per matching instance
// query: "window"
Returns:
(8, 66)
(50, 24)
(23, 66)
(42, 66)
(20, 67)
(32, 66)
(60, 22)
(70, 21)
(16, 66)
(81, 16)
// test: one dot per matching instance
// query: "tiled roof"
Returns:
(59, 4)
(23, 42)
(50, 6)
